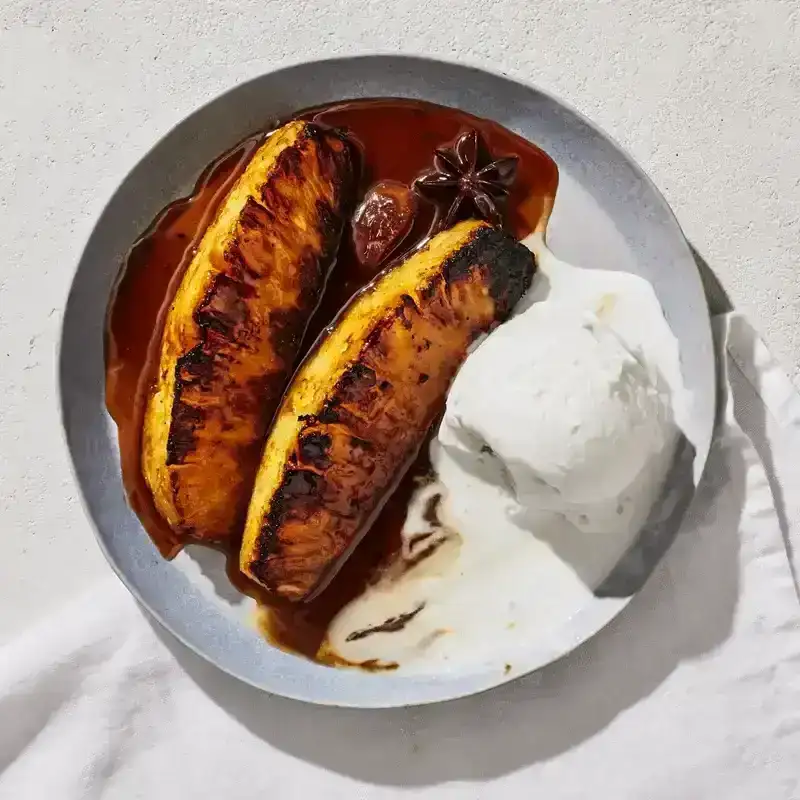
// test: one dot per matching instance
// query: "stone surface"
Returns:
(705, 95)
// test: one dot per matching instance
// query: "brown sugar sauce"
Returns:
(396, 140)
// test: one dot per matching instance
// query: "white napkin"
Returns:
(693, 692)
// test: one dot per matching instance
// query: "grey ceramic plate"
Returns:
(608, 215)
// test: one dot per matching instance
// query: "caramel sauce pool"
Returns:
(396, 139)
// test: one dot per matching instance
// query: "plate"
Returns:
(608, 215)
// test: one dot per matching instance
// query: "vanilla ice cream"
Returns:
(572, 415)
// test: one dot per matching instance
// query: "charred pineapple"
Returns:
(232, 333)
(362, 402)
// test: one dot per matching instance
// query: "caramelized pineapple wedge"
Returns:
(362, 402)
(232, 333)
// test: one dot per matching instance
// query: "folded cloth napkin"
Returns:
(693, 692)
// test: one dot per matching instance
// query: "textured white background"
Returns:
(706, 95)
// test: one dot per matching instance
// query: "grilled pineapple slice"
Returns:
(362, 402)
(233, 330)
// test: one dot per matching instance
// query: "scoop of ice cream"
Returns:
(557, 397)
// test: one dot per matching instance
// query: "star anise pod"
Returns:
(465, 182)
